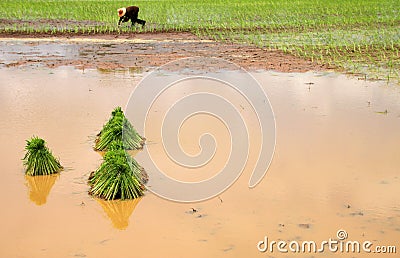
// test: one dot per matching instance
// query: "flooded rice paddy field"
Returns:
(336, 166)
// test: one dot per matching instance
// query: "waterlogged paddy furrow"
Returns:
(336, 166)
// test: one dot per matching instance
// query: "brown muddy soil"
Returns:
(138, 50)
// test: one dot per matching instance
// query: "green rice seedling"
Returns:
(118, 177)
(118, 128)
(38, 158)
(116, 112)
(136, 168)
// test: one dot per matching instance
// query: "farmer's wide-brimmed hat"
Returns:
(121, 11)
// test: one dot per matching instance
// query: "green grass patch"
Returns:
(359, 36)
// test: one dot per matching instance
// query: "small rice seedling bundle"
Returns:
(38, 158)
(118, 177)
(118, 128)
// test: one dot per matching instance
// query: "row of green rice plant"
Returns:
(118, 128)
(38, 159)
(189, 15)
(356, 51)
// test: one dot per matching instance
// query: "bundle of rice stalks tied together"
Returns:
(38, 158)
(118, 177)
(118, 128)
(116, 112)
(119, 146)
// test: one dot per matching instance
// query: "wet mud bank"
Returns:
(138, 51)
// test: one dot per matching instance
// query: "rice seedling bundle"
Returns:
(117, 129)
(38, 158)
(117, 146)
(118, 177)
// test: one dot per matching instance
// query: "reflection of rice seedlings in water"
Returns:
(40, 187)
(38, 158)
(112, 131)
(118, 177)
(119, 211)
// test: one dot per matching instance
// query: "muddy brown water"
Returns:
(336, 166)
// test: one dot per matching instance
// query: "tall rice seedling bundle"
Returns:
(118, 128)
(38, 158)
(118, 177)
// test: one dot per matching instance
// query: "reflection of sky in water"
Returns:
(19, 50)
